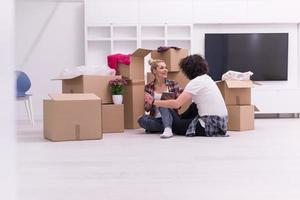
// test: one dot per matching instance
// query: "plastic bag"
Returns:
(88, 70)
(240, 76)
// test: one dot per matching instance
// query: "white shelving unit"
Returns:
(105, 39)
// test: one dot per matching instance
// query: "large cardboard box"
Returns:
(112, 118)
(88, 84)
(133, 103)
(171, 57)
(134, 71)
(178, 77)
(236, 92)
(240, 118)
(72, 117)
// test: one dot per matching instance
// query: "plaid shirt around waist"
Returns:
(214, 125)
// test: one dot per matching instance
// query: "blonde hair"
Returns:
(154, 63)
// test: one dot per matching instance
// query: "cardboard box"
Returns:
(134, 71)
(178, 77)
(171, 57)
(112, 118)
(88, 84)
(72, 117)
(133, 103)
(236, 92)
(240, 118)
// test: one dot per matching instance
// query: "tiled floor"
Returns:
(261, 164)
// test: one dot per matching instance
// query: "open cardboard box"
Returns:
(171, 57)
(236, 92)
(96, 84)
(72, 117)
(134, 71)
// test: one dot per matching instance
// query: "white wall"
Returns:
(61, 44)
(193, 11)
(49, 38)
(7, 131)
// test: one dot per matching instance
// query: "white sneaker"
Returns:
(167, 133)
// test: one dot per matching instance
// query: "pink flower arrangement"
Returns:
(117, 86)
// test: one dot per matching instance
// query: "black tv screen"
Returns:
(265, 54)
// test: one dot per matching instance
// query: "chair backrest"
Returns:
(23, 83)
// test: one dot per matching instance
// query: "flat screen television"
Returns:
(265, 54)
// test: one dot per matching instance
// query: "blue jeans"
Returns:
(154, 125)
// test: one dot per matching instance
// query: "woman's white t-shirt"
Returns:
(207, 96)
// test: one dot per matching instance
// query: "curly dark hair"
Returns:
(193, 66)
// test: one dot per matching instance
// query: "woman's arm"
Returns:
(183, 98)
(147, 106)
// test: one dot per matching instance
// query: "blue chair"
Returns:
(23, 84)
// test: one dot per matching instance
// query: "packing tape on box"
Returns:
(77, 132)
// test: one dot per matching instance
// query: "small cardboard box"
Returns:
(88, 84)
(240, 118)
(133, 103)
(171, 57)
(72, 117)
(236, 92)
(180, 78)
(134, 71)
(112, 118)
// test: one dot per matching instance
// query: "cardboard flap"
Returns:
(83, 96)
(66, 77)
(141, 52)
(239, 84)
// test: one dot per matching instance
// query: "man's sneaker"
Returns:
(167, 133)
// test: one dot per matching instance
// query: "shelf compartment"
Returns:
(124, 47)
(152, 44)
(178, 32)
(97, 52)
(98, 32)
(153, 31)
(124, 31)
(180, 43)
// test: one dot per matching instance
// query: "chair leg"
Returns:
(27, 108)
(31, 111)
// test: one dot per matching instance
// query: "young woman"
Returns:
(160, 119)
(207, 115)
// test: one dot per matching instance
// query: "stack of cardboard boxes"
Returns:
(172, 58)
(134, 90)
(237, 96)
(85, 109)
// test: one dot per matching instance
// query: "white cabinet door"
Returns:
(112, 11)
(219, 11)
(269, 11)
(166, 11)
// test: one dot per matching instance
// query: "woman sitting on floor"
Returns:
(160, 119)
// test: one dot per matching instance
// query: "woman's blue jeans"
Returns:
(153, 125)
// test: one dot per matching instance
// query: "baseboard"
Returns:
(276, 115)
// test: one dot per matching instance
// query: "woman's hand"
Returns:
(148, 98)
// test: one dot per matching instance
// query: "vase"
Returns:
(117, 98)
